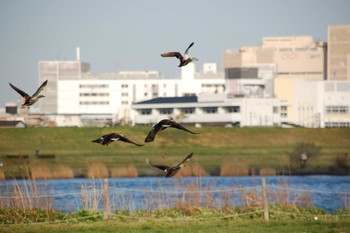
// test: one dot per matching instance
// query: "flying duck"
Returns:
(171, 171)
(30, 100)
(162, 125)
(109, 138)
(185, 59)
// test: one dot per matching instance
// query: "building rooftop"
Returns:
(166, 100)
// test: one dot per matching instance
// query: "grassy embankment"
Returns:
(225, 151)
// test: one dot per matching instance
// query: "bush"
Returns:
(302, 152)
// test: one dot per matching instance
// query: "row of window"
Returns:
(337, 124)
(298, 49)
(93, 86)
(94, 102)
(340, 109)
(299, 73)
(95, 94)
(207, 110)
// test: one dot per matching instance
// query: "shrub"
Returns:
(302, 152)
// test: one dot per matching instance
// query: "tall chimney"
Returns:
(78, 53)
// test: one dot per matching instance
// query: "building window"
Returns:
(125, 102)
(94, 94)
(125, 94)
(125, 86)
(338, 109)
(275, 110)
(283, 112)
(93, 86)
(337, 124)
(188, 110)
(94, 102)
(146, 111)
(166, 111)
(210, 110)
(232, 109)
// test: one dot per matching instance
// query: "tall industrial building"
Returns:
(339, 52)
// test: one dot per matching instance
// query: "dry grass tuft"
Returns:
(130, 171)
(96, 170)
(198, 170)
(40, 170)
(2, 175)
(233, 168)
(63, 172)
(267, 171)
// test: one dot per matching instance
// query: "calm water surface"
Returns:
(327, 192)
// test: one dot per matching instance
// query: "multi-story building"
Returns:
(297, 57)
(210, 109)
(339, 52)
(314, 103)
(72, 91)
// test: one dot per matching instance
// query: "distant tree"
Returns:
(302, 152)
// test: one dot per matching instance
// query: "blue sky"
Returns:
(116, 35)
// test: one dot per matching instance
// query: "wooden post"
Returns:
(264, 200)
(105, 201)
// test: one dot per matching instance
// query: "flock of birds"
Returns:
(105, 140)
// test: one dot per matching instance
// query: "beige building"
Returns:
(296, 57)
(314, 103)
(339, 52)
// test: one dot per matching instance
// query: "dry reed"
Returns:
(90, 196)
(96, 170)
(2, 175)
(267, 171)
(129, 171)
(40, 170)
(63, 172)
(233, 168)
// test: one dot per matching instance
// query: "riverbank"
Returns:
(69, 153)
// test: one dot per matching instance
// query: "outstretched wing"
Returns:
(151, 135)
(40, 89)
(161, 167)
(22, 93)
(155, 129)
(178, 126)
(186, 52)
(173, 54)
(188, 158)
(124, 139)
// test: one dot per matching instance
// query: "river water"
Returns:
(330, 193)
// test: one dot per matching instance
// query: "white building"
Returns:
(314, 103)
(96, 99)
(210, 109)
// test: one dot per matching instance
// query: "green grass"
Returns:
(264, 147)
(220, 226)
(173, 220)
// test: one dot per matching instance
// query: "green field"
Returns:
(213, 147)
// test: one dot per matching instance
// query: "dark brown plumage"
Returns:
(30, 100)
(184, 60)
(109, 138)
(171, 171)
(162, 125)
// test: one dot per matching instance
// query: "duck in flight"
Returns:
(162, 125)
(30, 100)
(171, 171)
(109, 138)
(184, 60)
